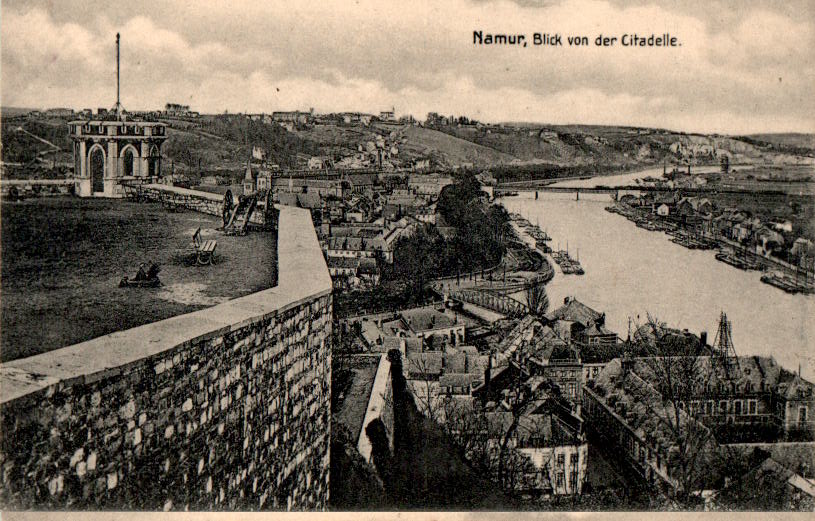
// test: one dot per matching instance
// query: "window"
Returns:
(561, 461)
(560, 479)
(573, 481)
(737, 407)
(709, 407)
(573, 459)
(723, 407)
(751, 406)
(802, 415)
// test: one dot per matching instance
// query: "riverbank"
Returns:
(631, 271)
(786, 276)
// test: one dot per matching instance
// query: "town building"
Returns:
(320, 163)
(388, 115)
(177, 110)
(322, 187)
(59, 113)
(295, 117)
(585, 325)
(427, 323)
(744, 399)
(353, 247)
(428, 184)
(548, 440)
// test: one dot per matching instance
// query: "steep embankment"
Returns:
(450, 150)
(626, 146)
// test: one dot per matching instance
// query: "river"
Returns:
(631, 271)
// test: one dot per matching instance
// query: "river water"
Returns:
(631, 271)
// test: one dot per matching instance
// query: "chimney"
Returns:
(703, 338)
(627, 364)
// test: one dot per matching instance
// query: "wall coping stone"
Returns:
(376, 405)
(23, 182)
(185, 191)
(302, 276)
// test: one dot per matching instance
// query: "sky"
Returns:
(743, 66)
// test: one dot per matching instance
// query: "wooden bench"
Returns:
(204, 250)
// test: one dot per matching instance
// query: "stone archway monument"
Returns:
(129, 148)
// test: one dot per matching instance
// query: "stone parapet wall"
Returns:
(223, 408)
(380, 406)
(197, 200)
(36, 187)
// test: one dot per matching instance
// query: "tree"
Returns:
(519, 398)
(491, 443)
(425, 386)
(668, 381)
(537, 300)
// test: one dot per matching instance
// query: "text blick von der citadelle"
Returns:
(480, 38)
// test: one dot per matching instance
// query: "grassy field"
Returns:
(62, 260)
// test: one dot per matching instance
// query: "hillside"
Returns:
(617, 147)
(451, 150)
(226, 141)
(223, 143)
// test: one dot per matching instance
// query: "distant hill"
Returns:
(14, 111)
(622, 147)
(223, 143)
(791, 139)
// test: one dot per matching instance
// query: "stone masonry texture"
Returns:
(235, 418)
(234, 422)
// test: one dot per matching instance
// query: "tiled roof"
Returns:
(354, 243)
(429, 363)
(425, 319)
(576, 311)
(343, 262)
(455, 380)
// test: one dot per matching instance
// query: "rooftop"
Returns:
(575, 311)
(427, 319)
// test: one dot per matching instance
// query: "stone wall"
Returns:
(204, 202)
(380, 406)
(36, 187)
(223, 408)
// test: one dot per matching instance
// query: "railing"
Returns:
(494, 302)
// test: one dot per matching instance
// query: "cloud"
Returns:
(741, 71)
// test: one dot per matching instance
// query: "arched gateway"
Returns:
(112, 149)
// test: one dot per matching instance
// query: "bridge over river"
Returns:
(614, 191)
